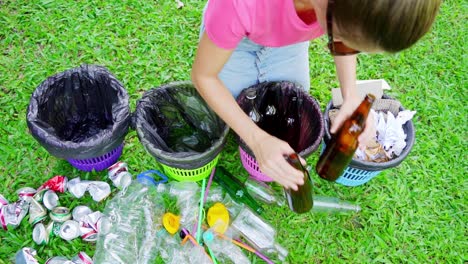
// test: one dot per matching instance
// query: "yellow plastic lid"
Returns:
(218, 216)
(171, 222)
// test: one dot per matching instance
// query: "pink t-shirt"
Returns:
(271, 23)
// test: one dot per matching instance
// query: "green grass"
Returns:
(415, 213)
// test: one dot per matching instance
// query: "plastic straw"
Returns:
(208, 186)
(212, 255)
(247, 247)
(200, 211)
(207, 190)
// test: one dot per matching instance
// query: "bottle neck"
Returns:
(361, 113)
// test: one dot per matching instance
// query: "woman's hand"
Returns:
(346, 110)
(270, 154)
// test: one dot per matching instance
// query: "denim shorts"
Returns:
(251, 63)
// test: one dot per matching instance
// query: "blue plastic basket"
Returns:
(354, 177)
(359, 172)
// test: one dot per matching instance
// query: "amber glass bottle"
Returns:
(300, 201)
(340, 150)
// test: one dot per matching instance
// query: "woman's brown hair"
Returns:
(391, 25)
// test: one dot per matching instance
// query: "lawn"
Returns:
(414, 213)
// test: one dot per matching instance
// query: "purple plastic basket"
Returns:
(251, 165)
(98, 163)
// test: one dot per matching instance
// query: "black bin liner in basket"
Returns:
(80, 113)
(287, 112)
(408, 127)
(177, 127)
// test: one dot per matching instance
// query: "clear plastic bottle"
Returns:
(133, 216)
(259, 233)
(223, 249)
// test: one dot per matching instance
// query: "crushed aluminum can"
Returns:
(60, 214)
(91, 236)
(91, 220)
(39, 195)
(119, 175)
(54, 228)
(69, 230)
(26, 256)
(77, 187)
(40, 234)
(116, 168)
(37, 212)
(122, 180)
(2, 218)
(58, 260)
(13, 214)
(99, 190)
(50, 199)
(3, 201)
(89, 227)
(57, 183)
(79, 212)
(26, 193)
(82, 258)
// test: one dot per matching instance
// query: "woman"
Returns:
(245, 42)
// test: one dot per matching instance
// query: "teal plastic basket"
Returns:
(354, 177)
(359, 172)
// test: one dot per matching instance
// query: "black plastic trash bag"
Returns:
(286, 111)
(176, 126)
(80, 113)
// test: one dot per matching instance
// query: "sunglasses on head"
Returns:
(337, 48)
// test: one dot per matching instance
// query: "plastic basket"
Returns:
(187, 165)
(359, 172)
(251, 166)
(354, 177)
(190, 175)
(98, 163)
(308, 136)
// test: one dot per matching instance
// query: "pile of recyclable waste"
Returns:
(149, 218)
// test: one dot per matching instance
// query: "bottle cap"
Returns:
(171, 222)
(251, 93)
(218, 217)
(208, 236)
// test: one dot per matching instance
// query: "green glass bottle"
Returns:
(236, 189)
(300, 201)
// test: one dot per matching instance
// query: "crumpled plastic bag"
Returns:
(80, 113)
